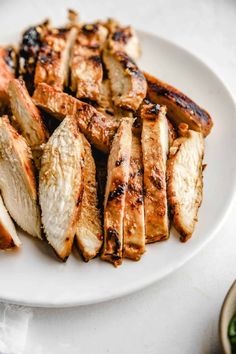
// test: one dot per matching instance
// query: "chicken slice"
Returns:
(53, 60)
(123, 39)
(61, 187)
(184, 182)
(134, 227)
(98, 128)
(155, 146)
(57, 103)
(172, 133)
(106, 105)
(114, 204)
(17, 180)
(27, 118)
(105, 98)
(86, 72)
(86, 63)
(89, 234)
(29, 47)
(8, 235)
(128, 83)
(180, 108)
(7, 73)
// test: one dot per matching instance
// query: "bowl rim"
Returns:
(221, 329)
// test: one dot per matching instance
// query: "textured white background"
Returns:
(178, 315)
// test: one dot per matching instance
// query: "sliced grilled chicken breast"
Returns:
(180, 108)
(172, 133)
(106, 105)
(8, 235)
(53, 60)
(17, 180)
(89, 233)
(86, 72)
(185, 183)
(61, 187)
(114, 204)
(123, 39)
(134, 227)
(28, 52)
(155, 147)
(105, 98)
(86, 63)
(98, 128)
(27, 118)
(128, 84)
(7, 71)
(57, 103)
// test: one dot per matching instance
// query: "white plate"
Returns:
(34, 277)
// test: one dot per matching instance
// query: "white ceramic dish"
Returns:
(228, 310)
(34, 277)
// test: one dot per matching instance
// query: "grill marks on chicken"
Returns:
(117, 181)
(17, 180)
(28, 53)
(53, 59)
(155, 147)
(97, 127)
(61, 187)
(53, 101)
(96, 63)
(180, 108)
(123, 39)
(134, 227)
(86, 63)
(106, 105)
(27, 118)
(89, 233)
(185, 183)
(7, 73)
(128, 83)
(8, 235)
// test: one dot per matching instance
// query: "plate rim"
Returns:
(153, 278)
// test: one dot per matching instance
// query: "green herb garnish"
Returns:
(232, 333)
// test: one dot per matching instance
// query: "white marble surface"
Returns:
(178, 315)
